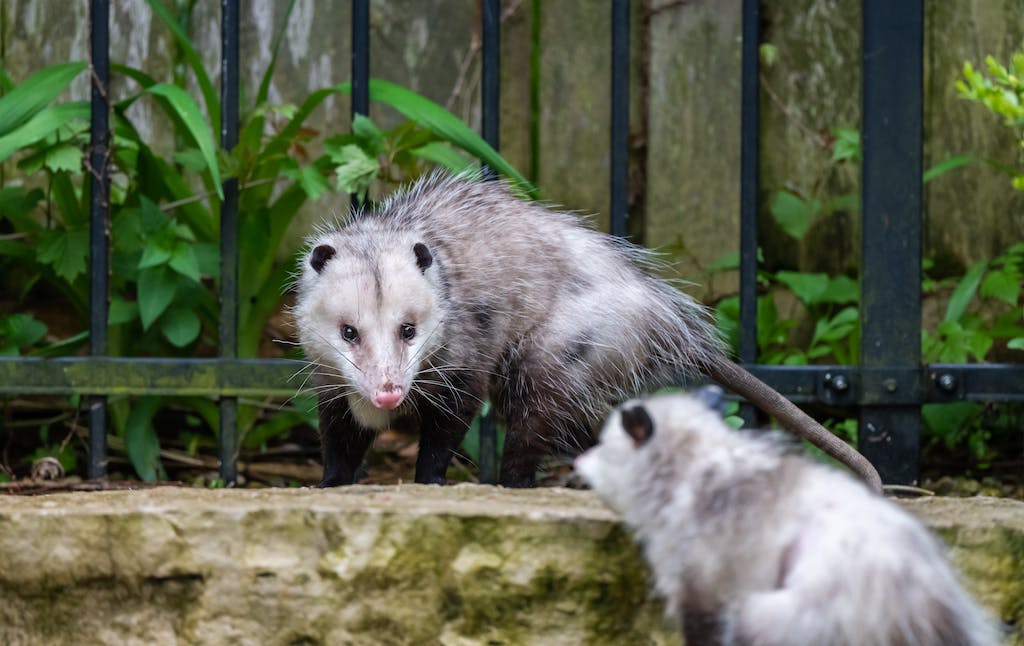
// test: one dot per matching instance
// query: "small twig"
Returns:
(818, 137)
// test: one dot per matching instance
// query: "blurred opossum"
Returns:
(455, 289)
(750, 544)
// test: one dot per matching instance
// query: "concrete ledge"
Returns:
(375, 565)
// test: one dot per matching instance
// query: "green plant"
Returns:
(1002, 92)
(165, 208)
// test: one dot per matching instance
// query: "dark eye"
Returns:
(407, 331)
(349, 333)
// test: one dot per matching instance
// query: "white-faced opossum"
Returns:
(455, 289)
(751, 544)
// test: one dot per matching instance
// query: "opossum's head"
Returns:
(641, 444)
(368, 316)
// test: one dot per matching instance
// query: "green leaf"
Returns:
(66, 157)
(157, 286)
(1016, 343)
(308, 178)
(21, 330)
(184, 261)
(841, 290)
(948, 165)
(809, 288)
(40, 126)
(368, 134)
(191, 159)
(210, 95)
(947, 420)
(141, 441)
(187, 110)
(847, 144)
(180, 326)
(208, 258)
(157, 252)
(793, 214)
(769, 54)
(355, 171)
(965, 291)
(1001, 284)
(444, 124)
(27, 99)
(65, 251)
(122, 311)
(443, 154)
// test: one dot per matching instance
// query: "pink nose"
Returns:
(388, 399)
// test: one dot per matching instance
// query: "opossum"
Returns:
(750, 543)
(455, 289)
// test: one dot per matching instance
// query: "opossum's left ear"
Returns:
(637, 424)
(423, 256)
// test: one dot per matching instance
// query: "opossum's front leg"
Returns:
(441, 434)
(342, 441)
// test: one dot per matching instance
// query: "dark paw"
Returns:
(521, 482)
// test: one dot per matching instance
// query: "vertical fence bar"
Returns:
(360, 64)
(750, 156)
(893, 41)
(229, 89)
(620, 118)
(490, 109)
(99, 141)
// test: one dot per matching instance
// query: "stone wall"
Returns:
(412, 564)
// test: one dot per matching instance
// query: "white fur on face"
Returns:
(375, 300)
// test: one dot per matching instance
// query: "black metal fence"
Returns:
(888, 386)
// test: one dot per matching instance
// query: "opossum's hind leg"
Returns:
(342, 441)
(443, 424)
(539, 412)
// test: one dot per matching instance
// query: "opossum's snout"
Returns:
(388, 397)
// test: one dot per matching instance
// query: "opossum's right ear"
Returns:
(637, 424)
(320, 256)
(423, 256)
(713, 397)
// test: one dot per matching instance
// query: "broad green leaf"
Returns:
(157, 252)
(206, 87)
(184, 261)
(157, 286)
(307, 177)
(946, 420)
(122, 311)
(965, 291)
(140, 439)
(64, 158)
(180, 326)
(21, 330)
(841, 290)
(793, 214)
(847, 144)
(27, 99)
(208, 258)
(1001, 284)
(188, 111)
(41, 125)
(355, 170)
(443, 155)
(65, 251)
(809, 288)
(16, 206)
(368, 134)
(1016, 343)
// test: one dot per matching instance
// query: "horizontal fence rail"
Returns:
(888, 387)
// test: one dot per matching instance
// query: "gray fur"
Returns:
(504, 313)
(751, 544)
